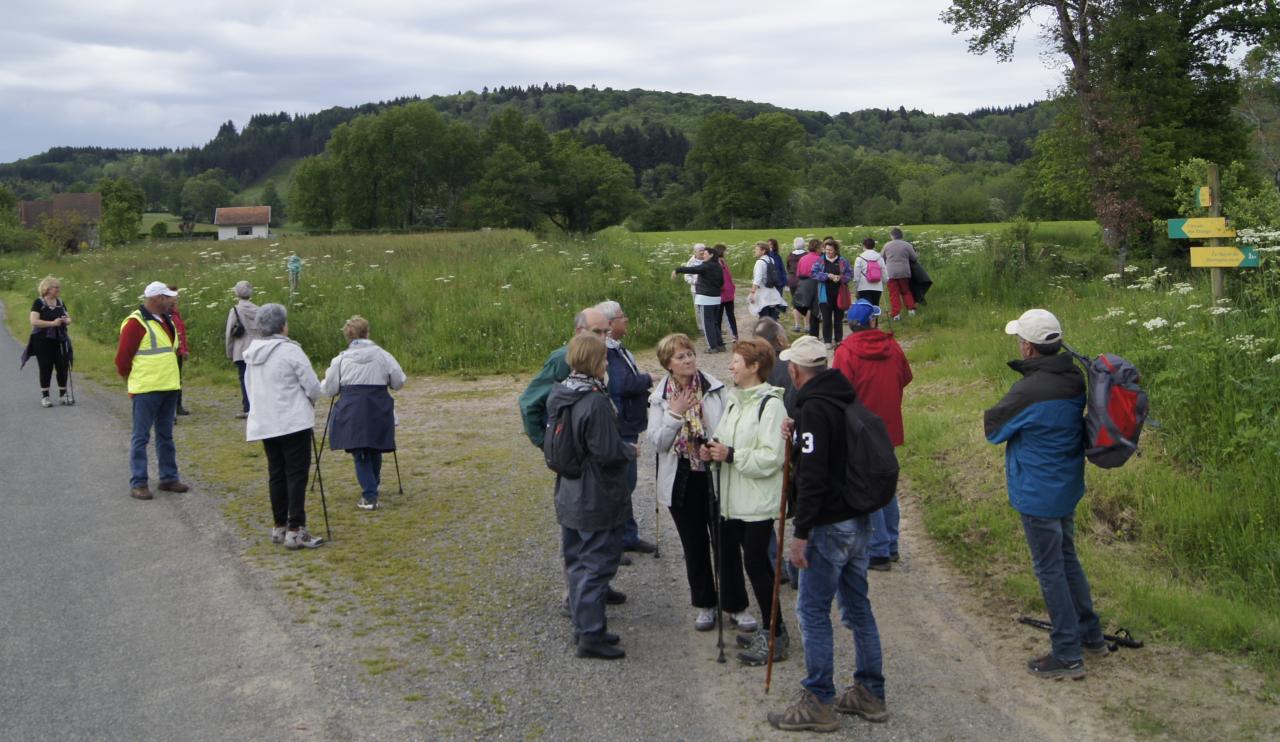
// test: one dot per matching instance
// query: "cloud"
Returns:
(146, 73)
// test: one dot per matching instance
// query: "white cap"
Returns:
(808, 352)
(1036, 326)
(157, 288)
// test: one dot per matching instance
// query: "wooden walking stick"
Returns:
(777, 567)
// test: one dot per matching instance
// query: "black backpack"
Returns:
(560, 448)
(770, 273)
(871, 467)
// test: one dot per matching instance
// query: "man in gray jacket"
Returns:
(898, 254)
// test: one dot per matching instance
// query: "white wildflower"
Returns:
(1111, 277)
(1274, 359)
(1155, 323)
(1166, 347)
(1131, 269)
(1132, 322)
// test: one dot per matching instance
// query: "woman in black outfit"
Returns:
(48, 343)
(707, 295)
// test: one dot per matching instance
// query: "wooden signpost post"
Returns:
(1215, 231)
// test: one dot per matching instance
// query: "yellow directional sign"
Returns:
(1224, 257)
(1202, 228)
(1204, 197)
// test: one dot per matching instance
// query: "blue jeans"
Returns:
(837, 555)
(153, 409)
(711, 315)
(1063, 584)
(884, 530)
(368, 471)
(631, 529)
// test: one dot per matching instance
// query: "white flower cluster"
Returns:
(1155, 323)
(1218, 311)
(1248, 343)
(1182, 288)
(1274, 359)
(1111, 277)
(1131, 269)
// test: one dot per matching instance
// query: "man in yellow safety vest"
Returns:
(147, 358)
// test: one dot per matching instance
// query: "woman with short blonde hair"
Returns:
(49, 342)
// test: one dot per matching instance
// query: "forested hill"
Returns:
(642, 127)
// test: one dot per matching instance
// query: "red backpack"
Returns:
(1115, 411)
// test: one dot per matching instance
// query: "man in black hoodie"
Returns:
(829, 546)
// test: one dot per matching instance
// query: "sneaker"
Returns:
(1049, 666)
(301, 539)
(807, 713)
(1098, 650)
(758, 653)
(367, 504)
(911, 312)
(797, 328)
(173, 485)
(896, 317)
(744, 621)
(829, 346)
(641, 547)
(706, 619)
(65, 400)
(893, 556)
(858, 700)
(46, 402)
(241, 415)
(879, 564)
(277, 534)
(140, 493)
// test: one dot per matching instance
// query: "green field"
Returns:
(1183, 544)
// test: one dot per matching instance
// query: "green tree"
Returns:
(122, 205)
(203, 194)
(512, 191)
(593, 189)
(8, 207)
(751, 166)
(1260, 107)
(270, 197)
(313, 200)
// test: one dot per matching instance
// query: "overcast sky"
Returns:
(145, 73)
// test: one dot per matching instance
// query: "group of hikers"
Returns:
(731, 460)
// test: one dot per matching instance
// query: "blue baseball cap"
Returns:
(861, 313)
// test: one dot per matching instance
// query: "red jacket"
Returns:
(181, 327)
(876, 366)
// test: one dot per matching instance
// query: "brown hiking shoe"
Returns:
(807, 713)
(864, 703)
(172, 486)
(140, 493)
(1096, 651)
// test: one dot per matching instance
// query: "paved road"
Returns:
(122, 619)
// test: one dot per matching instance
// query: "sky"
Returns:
(144, 73)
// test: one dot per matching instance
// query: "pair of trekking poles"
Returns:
(317, 450)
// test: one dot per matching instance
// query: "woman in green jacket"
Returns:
(749, 445)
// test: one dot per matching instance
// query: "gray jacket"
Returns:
(898, 255)
(248, 312)
(363, 362)
(599, 500)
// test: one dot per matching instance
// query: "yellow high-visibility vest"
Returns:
(155, 364)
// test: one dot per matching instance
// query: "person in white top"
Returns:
(764, 301)
(864, 271)
(699, 255)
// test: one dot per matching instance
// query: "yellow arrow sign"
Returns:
(1201, 228)
(1223, 257)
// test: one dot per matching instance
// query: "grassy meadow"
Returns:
(1182, 544)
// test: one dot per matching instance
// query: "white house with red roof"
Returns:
(243, 222)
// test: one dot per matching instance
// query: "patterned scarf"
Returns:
(692, 427)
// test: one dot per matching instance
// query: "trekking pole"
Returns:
(396, 459)
(777, 567)
(1121, 638)
(324, 505)
(323, 437)
(657, 517)
(71, 384)
(719, 570)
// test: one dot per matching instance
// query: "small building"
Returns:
(242, 222)
(83, 209)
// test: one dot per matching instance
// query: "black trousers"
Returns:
(727, 308)
(871, 296)
(694, 514)
(832, 322)
(288, 468)
(753, 539)
(49, 356)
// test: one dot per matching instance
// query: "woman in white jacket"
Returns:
(364, 417)
(864, 271)
(684, 408)
(283, 390)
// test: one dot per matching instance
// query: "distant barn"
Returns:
(84, 208)
(242, 222)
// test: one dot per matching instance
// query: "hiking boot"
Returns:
(607, 637)
(183, 411)
(893, 556)
(879, 564)
(806, 714)
(140, 493)
(614, 597)
(758, 653)
(1097, 650)
(744, 621)
(1049, 666)
(367, 504)
(46, 402)
(624, 561)
(598, 648)
(706, 619)
(642, 547)
(172, 485)
(301, 539)
(858, 700)
(277, 534)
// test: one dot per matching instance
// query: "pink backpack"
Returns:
(873, 271)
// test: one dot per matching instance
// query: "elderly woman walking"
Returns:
(241, 324)
(593, 508)
(283, 390)
(364, 414)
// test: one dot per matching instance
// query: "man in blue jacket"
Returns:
(1040, 421)
(629, 389)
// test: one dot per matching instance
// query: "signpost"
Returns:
(1224, 257)
(1203, 228)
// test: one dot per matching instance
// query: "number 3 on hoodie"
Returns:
(808, 443)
